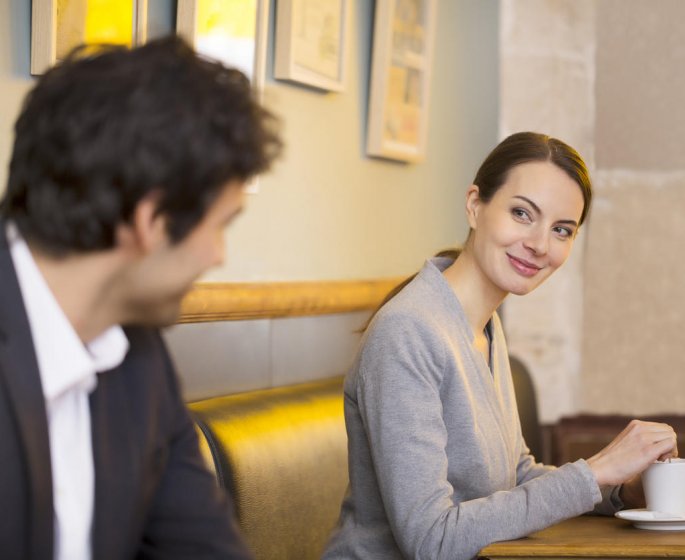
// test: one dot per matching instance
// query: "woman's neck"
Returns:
(478, 296)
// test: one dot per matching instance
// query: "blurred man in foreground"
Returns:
(127, 166)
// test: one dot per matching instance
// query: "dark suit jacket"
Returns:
(153, 496)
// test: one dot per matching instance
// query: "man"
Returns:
(127, 166)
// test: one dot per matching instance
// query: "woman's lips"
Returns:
(523, 267)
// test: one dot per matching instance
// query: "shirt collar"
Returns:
(64, 362)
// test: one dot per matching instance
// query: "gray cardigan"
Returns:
(438, 466)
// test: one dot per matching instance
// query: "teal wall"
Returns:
(327, 211)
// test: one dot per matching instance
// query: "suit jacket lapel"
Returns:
(21, 379)
(117, 471)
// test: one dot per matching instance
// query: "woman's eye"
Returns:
(521, 214)
(566, 233)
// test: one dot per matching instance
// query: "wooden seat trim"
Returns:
(243, 301)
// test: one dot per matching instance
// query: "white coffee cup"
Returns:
(664, 486)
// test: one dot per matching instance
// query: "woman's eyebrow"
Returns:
(539, 212)
(529, 201)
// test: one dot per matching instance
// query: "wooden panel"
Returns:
(231, 302)
(583, 435)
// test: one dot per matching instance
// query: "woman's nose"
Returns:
(537, 242)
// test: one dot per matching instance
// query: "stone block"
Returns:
(633, 360)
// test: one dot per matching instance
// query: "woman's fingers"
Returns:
(670, 446)
(633, 450)
(666, 442)
(653, 437)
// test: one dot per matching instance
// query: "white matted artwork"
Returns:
(311, 42)
(57, 26)
(233, 32)
(403, 41)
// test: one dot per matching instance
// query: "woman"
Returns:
(438, 465)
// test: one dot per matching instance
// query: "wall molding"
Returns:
(228, 301)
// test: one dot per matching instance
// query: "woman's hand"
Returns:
(632, 451)
(632, 494)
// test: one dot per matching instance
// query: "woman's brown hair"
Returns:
(525, 147)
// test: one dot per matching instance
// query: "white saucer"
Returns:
(653, 520)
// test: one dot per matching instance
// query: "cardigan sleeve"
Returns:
(529, 469)
(398, 394)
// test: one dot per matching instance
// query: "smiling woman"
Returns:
(438, 464)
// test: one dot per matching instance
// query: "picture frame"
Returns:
(59, 25)
(311, 42)
(404, 35)
(231, 31)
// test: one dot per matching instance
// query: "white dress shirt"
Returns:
(68, 371)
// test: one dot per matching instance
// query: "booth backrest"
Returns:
(282, 453)
(527, 404)
(584, 435)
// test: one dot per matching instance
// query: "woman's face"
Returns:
(527, 229)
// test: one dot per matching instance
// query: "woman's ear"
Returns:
(473, 205)
(147, 229)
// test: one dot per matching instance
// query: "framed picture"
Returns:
(231, 31)
(57, 26)
(400, 79)
(311, 42)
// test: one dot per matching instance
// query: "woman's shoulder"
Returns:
(412, 308)
(425, 300)
(416, 320)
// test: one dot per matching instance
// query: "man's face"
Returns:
(167, 273)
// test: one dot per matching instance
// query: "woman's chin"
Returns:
(521, 289)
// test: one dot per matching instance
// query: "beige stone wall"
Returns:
(606, 334)
(634, 335)
(633, 359)
(547, 85)
(640, 85)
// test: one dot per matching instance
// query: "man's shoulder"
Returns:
(146, 376)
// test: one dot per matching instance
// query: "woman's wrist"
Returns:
(595, 464)
(631, 493)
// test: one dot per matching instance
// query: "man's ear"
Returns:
(473, 205)
(147, 229)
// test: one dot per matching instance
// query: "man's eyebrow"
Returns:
(538, 211)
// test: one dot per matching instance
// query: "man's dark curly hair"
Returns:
(108, 126)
